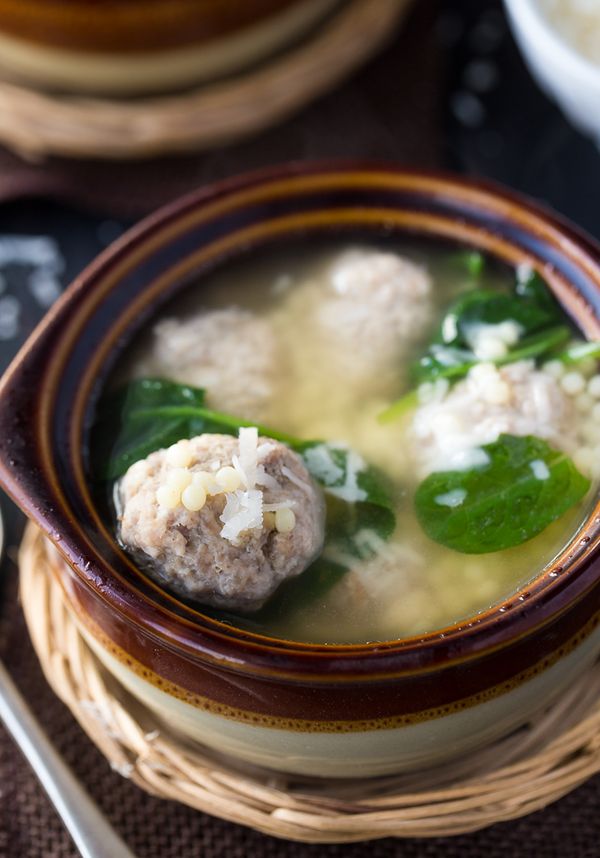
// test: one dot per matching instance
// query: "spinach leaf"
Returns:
(533, 288)
(488, 307)
(530, 304)
(470, 261)
(524, 487)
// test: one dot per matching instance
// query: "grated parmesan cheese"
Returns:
(452, 499)
(243, 511)
(248, 458)
(266, 480)
(540, 469)
(273, 507)
(350, 491)
(287, 472)
(322, 465)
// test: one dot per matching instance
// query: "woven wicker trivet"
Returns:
(520, 774)
(36, 124)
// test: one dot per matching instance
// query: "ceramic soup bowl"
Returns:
(129, 47)
(315, 709)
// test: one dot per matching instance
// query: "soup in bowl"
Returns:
(319, 450)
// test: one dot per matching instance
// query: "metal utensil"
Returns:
(92, 834)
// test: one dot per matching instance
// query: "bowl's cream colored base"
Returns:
(368, 753)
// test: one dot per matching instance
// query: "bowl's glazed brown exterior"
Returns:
(316, 709)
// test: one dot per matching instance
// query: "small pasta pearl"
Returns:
(180, 454)
(497, 393)
(555, 368)
(584, 459)
(509, 332)
(179, 478)
(594, 386)
(584, 402)
(587, 366)
(168, 497)
(573, 383)
(228, 479)
(285, 520)
(490, 348)
(207, 481)
(193, 497)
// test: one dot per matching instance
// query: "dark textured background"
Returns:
(449, 91)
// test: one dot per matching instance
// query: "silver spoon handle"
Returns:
(91, 832)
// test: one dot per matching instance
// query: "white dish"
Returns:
(567, 76)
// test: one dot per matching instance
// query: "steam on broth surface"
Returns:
(318, 344)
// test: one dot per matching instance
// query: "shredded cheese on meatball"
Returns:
(242, 483)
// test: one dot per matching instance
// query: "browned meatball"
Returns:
(375, 306)
(241, 544)
(231, 353)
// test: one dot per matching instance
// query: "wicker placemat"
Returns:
(36, 124)
(516, 776)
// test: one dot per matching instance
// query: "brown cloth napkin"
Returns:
(387, 110)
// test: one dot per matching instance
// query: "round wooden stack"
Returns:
(520, 774)
(37, 124)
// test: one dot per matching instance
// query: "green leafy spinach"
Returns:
(524, 486)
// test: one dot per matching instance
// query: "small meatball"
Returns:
(385, 588)
(184, 549)
(231, 353)
(387, 570)
(377, 305)
(518, 399)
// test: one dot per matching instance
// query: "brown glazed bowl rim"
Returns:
(475, 211)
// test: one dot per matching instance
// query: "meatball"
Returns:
(231, 353)
(376, 306)
(250, 518)
(517, 399)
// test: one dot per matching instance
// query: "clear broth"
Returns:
(435, 587)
